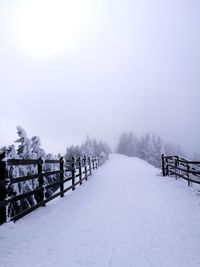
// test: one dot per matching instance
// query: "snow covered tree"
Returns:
(106, 149)
(36, 147)
(51, 167)
(24, 149)
(24, 152)
(157, 151)
(144, 147)
(147, 147)
(123, 145)
(90, 148)
(87, 148)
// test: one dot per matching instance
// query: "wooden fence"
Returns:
(181, 168)
(69, 177)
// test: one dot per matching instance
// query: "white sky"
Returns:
(122, 65)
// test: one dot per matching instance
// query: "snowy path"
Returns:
(125, 215)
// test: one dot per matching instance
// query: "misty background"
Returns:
(132, 66)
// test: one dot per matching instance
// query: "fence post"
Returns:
(163, 165)
(167, 167)
(90, 166)
(61, 177)
(73, 173)
(176, 165)
(188, 174)
(96, 163)
(80, 170)
(41, 180)
(93, 163)
(85, 163)
(3, 190)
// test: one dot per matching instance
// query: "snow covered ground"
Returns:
(125, 215)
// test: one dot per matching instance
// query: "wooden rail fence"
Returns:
(181, 168)
(74, 174)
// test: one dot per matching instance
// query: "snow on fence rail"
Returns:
(69, 173)
(181, 168)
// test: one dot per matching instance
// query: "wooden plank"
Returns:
(52, 173)
(76, 183)
(52, 185)
(68, 161)
(68, 189)
(82, 179)
(194, 162)
(182, 161)
(23, 178)
(67, 179)
(31, 177)
(53, 161)
(51, 197)
(183, 164)
(27, 194)
(194, 181)
(24, 161)
(171, 166)
(29, 210)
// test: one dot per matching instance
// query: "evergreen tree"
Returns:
(157, 151)
(24, 149)
(122, 147)
(36, 147)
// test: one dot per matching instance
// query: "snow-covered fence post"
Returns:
(85, 164)
(167, 167)
(40, 180)
(176, 163)
(96, 163)
(93, 163)
(61, 177)
(80, 170)
(73, 173)
(90, 166)
(3, 190)
(163, 165)
(188, 174)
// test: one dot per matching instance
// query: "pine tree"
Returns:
(24, 152)
(24, 149)
(122, 147)
(36, 147)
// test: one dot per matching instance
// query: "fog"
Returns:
(133, 66)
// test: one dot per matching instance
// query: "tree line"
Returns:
(31, 148)
(147, 147)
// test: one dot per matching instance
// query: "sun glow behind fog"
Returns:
(47, 28)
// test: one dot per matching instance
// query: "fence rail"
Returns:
(181, 168)
(80, 168)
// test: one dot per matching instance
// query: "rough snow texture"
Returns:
(125, 215)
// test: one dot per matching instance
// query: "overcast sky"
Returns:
(72, 68)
